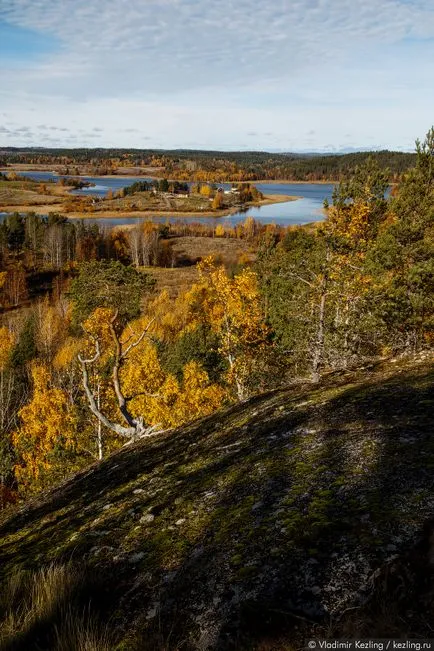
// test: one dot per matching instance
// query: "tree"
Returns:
(218, 201)
(193, 397)
(134, 426)
(402, 259)
(15, 286)
(200, 345)
(368, 184)
(10, 399)
(6, 344)
(296, 285)
(125, 367)
(108, 284)
(15, 231)
(206, 190)
(46, 433)
(25, 348)
(50, 325)
(233, 310)
(351, 231)
(163, 185)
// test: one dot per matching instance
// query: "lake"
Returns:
(302, 211)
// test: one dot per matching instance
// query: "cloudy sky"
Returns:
(278, 75)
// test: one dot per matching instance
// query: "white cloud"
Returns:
(153, 45)
(213, 72)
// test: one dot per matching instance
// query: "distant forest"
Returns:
(196, 165)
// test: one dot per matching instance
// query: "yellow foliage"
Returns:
(205, 190)
(7, 342)
(160, 398)
(233, 309)
(48, 425)
(220, 230)
(67, 354)
(218, 201)
(142, 373)
(97, 325)
(352, 223)
(151, 392)
(193, 398)
(197, 397)
(170, 316)
(232, 305)
(51, 326)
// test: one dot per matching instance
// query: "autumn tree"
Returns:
(131, 426)
(232, 308)
(10, 401)
(46, 434)
(49, 328)
(142, 394)
(218, 201)
(351, 228)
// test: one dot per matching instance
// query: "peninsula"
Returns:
(143, 198)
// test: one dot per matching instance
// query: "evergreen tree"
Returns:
(402, 259)
(25, 349)
(108, 284)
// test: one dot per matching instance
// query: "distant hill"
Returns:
(302, 512)
(184, 164)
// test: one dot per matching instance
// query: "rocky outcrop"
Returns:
(300, 511)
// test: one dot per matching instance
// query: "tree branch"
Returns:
(128, 432)
(136, 428)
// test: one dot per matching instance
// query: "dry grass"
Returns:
(228, 249)
(49, 607)
(175, 281)
(24, 194)
(273, 198)
(190, 250)
(145, 201)
(40, 209)
(27, 198)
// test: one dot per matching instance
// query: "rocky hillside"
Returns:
(305, 511)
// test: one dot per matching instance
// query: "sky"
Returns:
(273, 75)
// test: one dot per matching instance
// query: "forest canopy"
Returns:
(94, 352)
(218, 166)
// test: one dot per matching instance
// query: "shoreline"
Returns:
(151, 176)
(268, 199)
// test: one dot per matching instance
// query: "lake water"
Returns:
(302, 211)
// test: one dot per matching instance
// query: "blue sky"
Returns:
(286, 75)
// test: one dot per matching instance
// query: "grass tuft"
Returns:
(50, 608)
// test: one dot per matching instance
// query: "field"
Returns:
(189, 250)
(26, 193)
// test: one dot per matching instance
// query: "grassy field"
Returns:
(157, 202)
(24, 193)
(190, 250)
